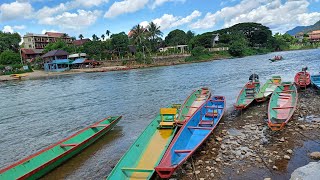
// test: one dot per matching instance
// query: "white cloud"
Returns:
(168, 21)
(7, 29)
(19, 27)
(279, 16)
(157, 3)
(73, 21)
(144, 24)
(15, 10)
(125, 6)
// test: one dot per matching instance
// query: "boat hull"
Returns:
(144, 154)
(192, 103)
(302, 79)
(267, 89)
(315, 79)
(62, 153)
(192, 135)
(282, 105)
(247, 95)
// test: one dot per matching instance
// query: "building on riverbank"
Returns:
(28, 55)
(56, 61)
(39, 41)
(314, 36)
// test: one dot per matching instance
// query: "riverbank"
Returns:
(243, 147)
(114, 66)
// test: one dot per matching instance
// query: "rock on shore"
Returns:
(308, 172)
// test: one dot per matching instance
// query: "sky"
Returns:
(88, 17)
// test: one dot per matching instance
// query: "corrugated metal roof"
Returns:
(60, 61)
(55, 53)
(78, 61)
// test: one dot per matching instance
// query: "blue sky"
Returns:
(90, 17)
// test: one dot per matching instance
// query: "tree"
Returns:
(102, 36)
(59, 45)
(9, 41)
(154, 32)
(238, 46)
(8, 57)
(108, 33)
(190, 35)
(81, 36)
(138, 34)
(176, 37)
(95, 37)
(120, 42)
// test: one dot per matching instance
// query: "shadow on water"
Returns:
(90, 155)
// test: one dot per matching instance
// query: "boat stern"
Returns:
(165, 172)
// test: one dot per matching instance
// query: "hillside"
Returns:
(304, 29)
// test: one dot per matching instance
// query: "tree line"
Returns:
(242, 39)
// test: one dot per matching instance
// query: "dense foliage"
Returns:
(176, 37)
(8, 57)
(9, 41)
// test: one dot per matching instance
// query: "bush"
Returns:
(9, 57)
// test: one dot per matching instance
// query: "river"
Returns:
(37, 113)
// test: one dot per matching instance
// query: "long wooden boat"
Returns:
(276, 58)
(302, 79)
(282, 105)
(192, 134)
(192, 103)
(267, 89)
(146, 152)
(247, 94)
(42, 162)
(315, 79)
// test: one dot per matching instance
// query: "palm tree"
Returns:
(138, 33)
(102, 36)
(154, 32)
(108, 32)
(81, 36)
(95, 37)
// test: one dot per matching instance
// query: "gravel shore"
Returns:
(244, 147)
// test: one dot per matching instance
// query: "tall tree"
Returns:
(120, 42)
(138, 34)
(81, 36)
(95, 37)
(154, 32)
(9, 41)
(102, 36)
(176, 37)
(108, 33)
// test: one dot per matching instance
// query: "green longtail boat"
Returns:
(42, 162)
(147, 151)
(247, 94)
(282, 105)
(192, 103)
(267, 89)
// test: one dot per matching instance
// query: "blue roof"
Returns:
(79, 61)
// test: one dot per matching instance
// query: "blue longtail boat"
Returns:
(315, 80)
(192, 134)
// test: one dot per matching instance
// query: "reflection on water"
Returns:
(37, 113)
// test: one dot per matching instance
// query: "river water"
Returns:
(37, 113)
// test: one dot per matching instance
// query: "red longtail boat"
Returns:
(302, 78)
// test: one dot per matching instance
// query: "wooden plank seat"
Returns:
(69, 145)
(206, 122)
(217, 100)
(211, 107)
(163, 123)
(192, 106)
(285, 107)
(196, 127)
(182, 151)
(99, 125)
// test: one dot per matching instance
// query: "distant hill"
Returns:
(304, 29)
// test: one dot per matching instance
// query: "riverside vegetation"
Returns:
(142, 44)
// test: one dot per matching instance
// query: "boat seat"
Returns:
(285, 107)
(167, 117)
(212, 107)
(182, 151)
(196, 127)
(206, 123)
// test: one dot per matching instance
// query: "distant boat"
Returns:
(267, 89)
(315, 79)
(282, 105)
(148, 149)
(42, 162)
(18, 76)
(192, 135)
(192, 103)
(248, 93)
(276, 58)
(302, 79)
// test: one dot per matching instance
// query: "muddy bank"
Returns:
(243, 147)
